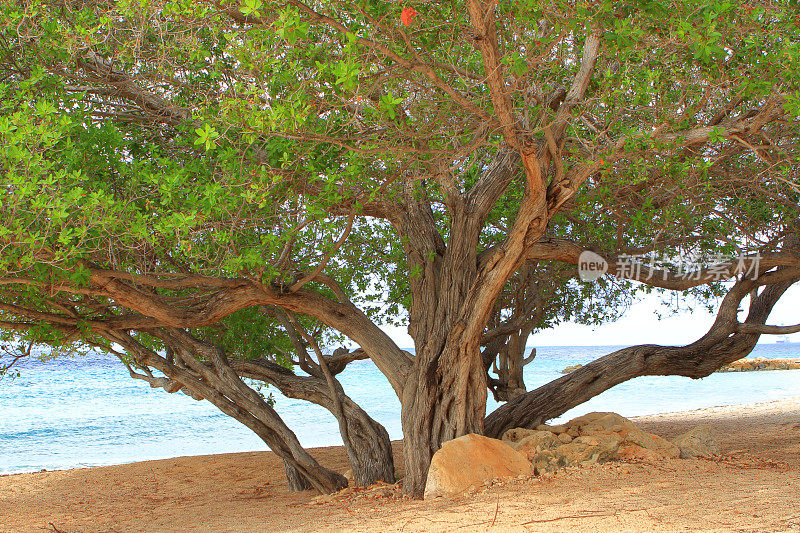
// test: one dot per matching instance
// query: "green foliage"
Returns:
(250, 334)
(238, 146)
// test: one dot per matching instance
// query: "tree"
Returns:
(251, 343)
(727, 340)
(179, 163)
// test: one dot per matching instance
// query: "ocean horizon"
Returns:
(87, 411)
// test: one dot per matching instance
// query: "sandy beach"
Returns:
(752, 486)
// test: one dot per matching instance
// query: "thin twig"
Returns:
(565, 518)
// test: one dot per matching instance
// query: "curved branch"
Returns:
(766, 329)
(324, 262)
(580, 83)
(722, 344)
(569, 252)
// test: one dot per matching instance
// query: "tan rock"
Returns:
(552, 429)
(541, 439)
(657, 444)
(469, 461)
(589, 449)
(515, 435)
(588, 439)
(600, 422)
(699, 442)
(546, 462)
(635, 452)
(533, 444)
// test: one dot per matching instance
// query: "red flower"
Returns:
(407, 16)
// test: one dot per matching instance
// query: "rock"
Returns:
(588, 439)
(699, 442)
(590, 449)
(759, 364)
(552, 429)
(565, 438)
(469, 461)
(636, 452)
(539, 441)
(514, 435)
(654, 443)
(599, 422)
(546, 462)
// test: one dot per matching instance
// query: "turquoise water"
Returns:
(87, 411)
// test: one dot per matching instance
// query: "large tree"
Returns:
(175, 163)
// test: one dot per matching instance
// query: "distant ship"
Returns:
(783, 340)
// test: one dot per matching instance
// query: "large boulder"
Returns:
(699, 442)
(470, 461)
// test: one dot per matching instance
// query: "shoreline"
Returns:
(651, 418)
(765, 406)
(746, 364)
(751, 486)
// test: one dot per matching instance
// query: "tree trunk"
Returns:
(370, 449)
(367, 441)
(511, 362)
(720, 346)
(444, 400)
(295, 482)
(220, 385)
(451, 302)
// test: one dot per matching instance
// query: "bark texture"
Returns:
(372, 459)
(722, 344)
(218, 383)
(295, 482)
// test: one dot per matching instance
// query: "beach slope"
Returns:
(752, 486)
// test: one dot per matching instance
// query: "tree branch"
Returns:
(766, 329)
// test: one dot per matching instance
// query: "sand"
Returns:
(753, 486)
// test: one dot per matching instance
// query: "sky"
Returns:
(640, 325)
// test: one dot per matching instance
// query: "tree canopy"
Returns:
(436, 164)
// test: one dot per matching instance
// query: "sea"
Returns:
(87, 411)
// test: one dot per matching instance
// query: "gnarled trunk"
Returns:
(295, 482)
(368, 445)
(446, 398)
(508, 363)
(452, 300)
(722, 344)
(367, 442)
(221, 386)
